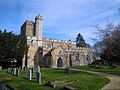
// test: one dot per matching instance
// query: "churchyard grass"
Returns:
(105, 69)
(77, 80)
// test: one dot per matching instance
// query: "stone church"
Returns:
(48, 52)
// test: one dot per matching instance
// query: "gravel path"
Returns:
(114, 83)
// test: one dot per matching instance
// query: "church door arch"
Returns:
(59, 62)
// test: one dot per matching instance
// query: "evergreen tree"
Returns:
(80, 42)
(11, 48)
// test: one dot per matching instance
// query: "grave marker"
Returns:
(17, 72)
(29, 75)
(38, 77)
(14, 71)
(38, 69)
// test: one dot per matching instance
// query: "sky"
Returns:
(62, 19)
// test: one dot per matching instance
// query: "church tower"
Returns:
(38, 33)
(38, 30)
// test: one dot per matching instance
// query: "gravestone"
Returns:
(0, 68)
(14, 71)
(67, 70)
(11, 70)
(32, 69)
(17, 72)
(38, 77)
(8, 70)
(38, 69)
(29, 75)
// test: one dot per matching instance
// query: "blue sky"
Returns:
(62, 19)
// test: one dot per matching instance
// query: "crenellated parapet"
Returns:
(58, 41)
(29, 22)
(79, 50)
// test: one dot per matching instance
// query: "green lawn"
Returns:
(115, 71)
(78, 80)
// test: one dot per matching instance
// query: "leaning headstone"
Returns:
(17, 72)
(29, 75)
(38, 77)
(38, 69)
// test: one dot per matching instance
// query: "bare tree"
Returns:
(108, 44)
